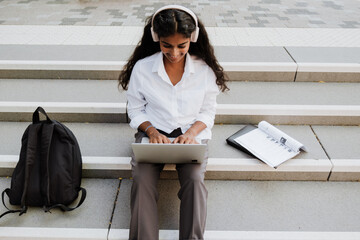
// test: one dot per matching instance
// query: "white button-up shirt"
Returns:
(152, 97)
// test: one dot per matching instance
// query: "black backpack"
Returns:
(48, 173)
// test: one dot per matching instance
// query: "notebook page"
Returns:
(280, 136)
(266, 148)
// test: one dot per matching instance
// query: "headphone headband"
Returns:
(194, 35)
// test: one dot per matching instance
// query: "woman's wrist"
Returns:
(151, 131)
(193, 131)
(190, 133)
(147, 128)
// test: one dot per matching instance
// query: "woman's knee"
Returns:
(191, 172)
(194, 185)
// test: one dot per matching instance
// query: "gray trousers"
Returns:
(144, 197)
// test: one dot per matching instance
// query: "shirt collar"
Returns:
(159, 64)
(189, 65)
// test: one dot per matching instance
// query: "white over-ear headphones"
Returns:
(194, 34)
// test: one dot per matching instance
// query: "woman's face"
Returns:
(174, 47)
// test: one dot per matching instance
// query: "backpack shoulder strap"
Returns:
(30, 161)
(46, 138)
(21, 211)
(66, 208)
(31, 149)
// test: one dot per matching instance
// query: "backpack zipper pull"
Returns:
(46, 209)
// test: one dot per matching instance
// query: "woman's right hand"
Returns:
(156, 137)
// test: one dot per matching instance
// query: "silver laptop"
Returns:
(146, 152)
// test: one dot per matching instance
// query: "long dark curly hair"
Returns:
(167, 23)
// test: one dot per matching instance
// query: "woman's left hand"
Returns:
(186, 138)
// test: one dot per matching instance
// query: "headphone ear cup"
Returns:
(195, 35)
(154, 35)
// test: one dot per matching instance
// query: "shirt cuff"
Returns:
(208, 120)
(138, 120)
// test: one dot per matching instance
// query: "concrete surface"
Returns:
(101, 91)
(123, 52)
(54, 90)
(252, 54)
(63, 53)
(115, 139)
(231, 13)
(308, 76)
(294, 93)
(342, 145)
(345, 60)
(95, 212)
(260, 206)
(340, 142)
(324, 54)
(94, 139)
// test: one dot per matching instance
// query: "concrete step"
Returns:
(254, 63)
(91, 215)
(236, 210)
(106, 153)
(246, 102)
(105, 62)
(290, 103)
(19, 233)
(260, 206)
(326, 64)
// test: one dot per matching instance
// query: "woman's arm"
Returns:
(153, 134)
(189, 136)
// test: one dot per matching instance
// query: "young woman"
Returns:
(172, 79)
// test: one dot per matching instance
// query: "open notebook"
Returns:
(267, 143)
